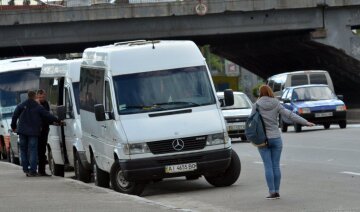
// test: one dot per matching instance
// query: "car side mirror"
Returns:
(99, 112)
(228, 97)
(61, 112)
(341, 97)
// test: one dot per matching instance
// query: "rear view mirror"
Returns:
(99, 112)
(229, 97)
(61, 112)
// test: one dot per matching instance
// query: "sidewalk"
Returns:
(45, 194)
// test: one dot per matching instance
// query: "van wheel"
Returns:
(56, 169)
(342, 124)
(326, 125)
(100, 177)
(81, 173)
(284, 126)
(230, 175)
(243, 138)
(3, 149)
(120, 184)
(297, 127)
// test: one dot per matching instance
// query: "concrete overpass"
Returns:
(264, 36)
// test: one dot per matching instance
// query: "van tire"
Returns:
(120, 184)
(297, 127)
(81, 173)
(243, 138)
(326, 126)
(342, 124)
(3, 148)
(101, 178)
(230, 175)
(56, 169)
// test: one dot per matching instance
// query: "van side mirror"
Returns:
(341, 97)
(99, 112)
(61, 112)
(228, 97)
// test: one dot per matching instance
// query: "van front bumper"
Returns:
(208, 163)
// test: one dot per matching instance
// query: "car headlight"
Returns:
(216, 139)
(340, 108)
(304, 110)
(137, 148)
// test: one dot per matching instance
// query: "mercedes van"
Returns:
(60, 80)
(281, 81)
(149, 111)
(17, 76)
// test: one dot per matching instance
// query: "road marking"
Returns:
(352, 173)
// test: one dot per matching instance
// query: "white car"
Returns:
(236, 115)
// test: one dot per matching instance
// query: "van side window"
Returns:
(68, 104)
(271, 84)
(299, 80)
(91, 88)
(108, 102)
(52, 87)
(75, 86)
(277, 86)
(318, 79)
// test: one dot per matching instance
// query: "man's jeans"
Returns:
(29, 155)
(271, 158)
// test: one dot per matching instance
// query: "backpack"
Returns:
(255, 129)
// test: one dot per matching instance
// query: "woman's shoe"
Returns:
(272, 196)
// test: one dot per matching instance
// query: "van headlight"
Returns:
(340, 108)
(216, 139)
(137, 148)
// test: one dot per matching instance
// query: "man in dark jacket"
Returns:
(30, 114)
(43, 138)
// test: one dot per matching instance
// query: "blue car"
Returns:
(315, 103)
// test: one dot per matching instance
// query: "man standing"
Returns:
(43, 138)
(30, 115)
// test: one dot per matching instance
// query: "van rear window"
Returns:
(318, 79)
(299, 80)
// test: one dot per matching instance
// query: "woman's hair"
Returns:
(265, 90)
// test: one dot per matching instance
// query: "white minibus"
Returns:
(149, 111)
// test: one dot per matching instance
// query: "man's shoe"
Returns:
(31, 174)
(272, 196)
(44, 174)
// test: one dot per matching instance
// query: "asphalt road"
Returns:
(320, 170)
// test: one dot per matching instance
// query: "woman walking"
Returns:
(270, 108)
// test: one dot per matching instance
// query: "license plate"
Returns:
(236, 127)
(319, 115)
(181, 168)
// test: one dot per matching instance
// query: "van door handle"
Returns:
(103, 126)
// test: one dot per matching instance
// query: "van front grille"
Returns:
(177, 145)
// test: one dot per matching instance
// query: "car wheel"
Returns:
(100, 177)
(342, 124)
(297, 127)
(229, 176)
(326, 125)
(81, 173)
(284, 126)
(56, 169)
(120, 184)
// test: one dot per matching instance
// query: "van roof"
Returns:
(62, 68)
(22, 63)
(143, 56)
(298, 72)
(308, 85)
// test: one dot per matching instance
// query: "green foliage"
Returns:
(214, 62)
(255, 90)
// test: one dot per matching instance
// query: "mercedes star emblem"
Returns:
(178, 144)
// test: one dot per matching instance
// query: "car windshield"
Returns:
(163, 90)
(241, 101)
(14, 86)
(312, 94)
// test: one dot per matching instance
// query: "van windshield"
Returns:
(14, 86)
(163, 90)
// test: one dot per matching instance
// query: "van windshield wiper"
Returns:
(177, 103)
(143, 107)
